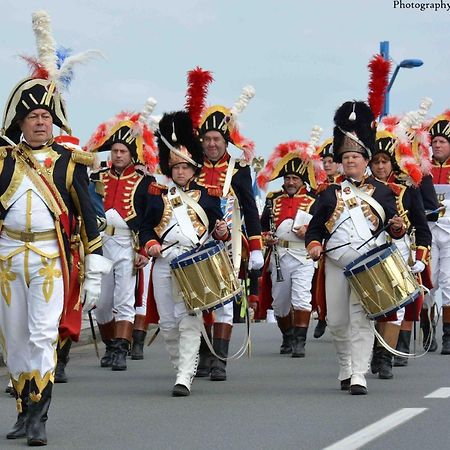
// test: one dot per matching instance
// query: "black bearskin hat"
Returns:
(177, 142)
(353, 131)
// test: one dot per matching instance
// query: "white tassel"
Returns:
(46, 45)
(352, 115)
(248, 92)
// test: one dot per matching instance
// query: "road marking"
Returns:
(440, 393)
(374, 431)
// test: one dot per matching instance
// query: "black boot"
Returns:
(38, 405)
(385, 370)
(288, 339)
(19, 428)
(320, 328)
(205, 358)
(375, 362)
(137, 348)
(218, 366)
(287, 331)
(404, 339)
(62, 353)
(107, 358)
(445, 339)
(298, 342)
(119, 359)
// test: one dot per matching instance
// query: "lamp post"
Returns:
(406, 63)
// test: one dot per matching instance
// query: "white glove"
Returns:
(94, 267)
(418, 267)
(256, 260)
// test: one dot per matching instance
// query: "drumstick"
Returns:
(171, 245)
(404, 213)
(334, 248)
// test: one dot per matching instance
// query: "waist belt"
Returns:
(30, 236)
(290, 244)
(110, 230)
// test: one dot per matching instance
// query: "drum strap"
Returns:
(177, 199)
(353, 206)
(228, 177)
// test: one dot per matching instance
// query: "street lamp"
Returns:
(406, 63)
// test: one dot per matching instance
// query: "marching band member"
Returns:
(44, 190)
(284, 222)
(394, 163)
(348, 215)
(440, 249)
(217, 129)
(178, 217)
(124, 192)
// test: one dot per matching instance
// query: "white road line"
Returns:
(440, 393)
(374, 431)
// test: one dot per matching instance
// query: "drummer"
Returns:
(393, 162)
(348, 215)
(178, 217)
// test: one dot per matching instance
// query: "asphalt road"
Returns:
(269, 401)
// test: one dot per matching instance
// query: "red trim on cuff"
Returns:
(313, 244)
(149, 244)
(255, 243)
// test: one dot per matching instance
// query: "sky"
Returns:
(303, 58)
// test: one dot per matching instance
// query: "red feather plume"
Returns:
(198, 83)
(36, 68)
(379, 78)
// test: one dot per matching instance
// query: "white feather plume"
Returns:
(66, 70)
(314, 140)
(149, 107)
(248, 92)
(46, 45)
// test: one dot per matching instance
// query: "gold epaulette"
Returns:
(4, 151)
(214, 191)
(100, 187)
(81, 157)
(274, 194)
(156, 188)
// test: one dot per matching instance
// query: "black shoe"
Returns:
(320, 328)
(385, 369)
(19, 429)
(107, 359)
(137, 348)
(119, 359)
(180, 390)
(218, 366)
(400, 361)
(37, 415)
(218, 374)
(60, 373)
(375, 362)
(345, 384)
(298, 342)
(286, 345)
(205, 358)
(357, 389)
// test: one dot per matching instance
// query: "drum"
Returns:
(206, 277)
(382, 281)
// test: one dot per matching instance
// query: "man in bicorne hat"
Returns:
(44, 190)
(440, 250)
(284, 222)
(123, 189)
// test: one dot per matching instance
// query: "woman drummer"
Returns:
(394, 163)
(178, 218)
(350, 218)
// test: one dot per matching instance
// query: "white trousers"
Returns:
(31, 303)
(295, 290)
(142, 310)
(181, 332)
(440, 264)
(349, 326)
(117, 297)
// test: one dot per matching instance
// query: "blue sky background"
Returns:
(304, 58)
